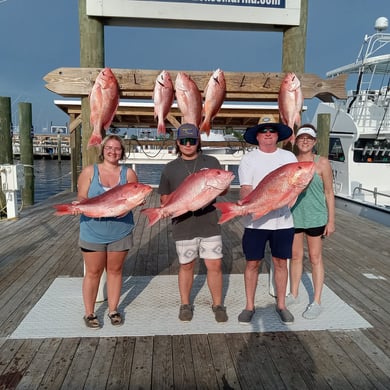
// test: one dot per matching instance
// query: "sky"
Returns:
(39, 36)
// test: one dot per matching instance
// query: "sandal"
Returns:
(116, 318)
(92, 321)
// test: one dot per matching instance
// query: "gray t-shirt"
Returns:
(200, 223)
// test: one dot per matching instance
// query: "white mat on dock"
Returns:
(150, 306)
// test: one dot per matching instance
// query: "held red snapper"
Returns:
(215, 92)
(113, 203)
(195, 192)
(104, 101)
(279, 188)
(163, 96)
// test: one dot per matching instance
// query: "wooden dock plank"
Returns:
(162, 369)
(141, 370)
(60, 364)
(183, 363)
(120, 370)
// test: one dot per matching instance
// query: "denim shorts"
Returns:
(255, 240)
(122, 245)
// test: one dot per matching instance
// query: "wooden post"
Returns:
(294, 44)
(294, 48)
(75, 144)
(59, 148)
(91, 55)
(26, 152)
(6, 155)
(323, 130)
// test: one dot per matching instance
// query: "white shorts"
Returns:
(206, 248)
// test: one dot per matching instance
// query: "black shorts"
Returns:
(312, 232)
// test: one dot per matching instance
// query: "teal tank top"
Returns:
(310, 209)
(105, 230)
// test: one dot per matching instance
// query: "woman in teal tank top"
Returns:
(104, 242)
(314, 217)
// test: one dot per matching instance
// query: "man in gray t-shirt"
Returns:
(195, 233)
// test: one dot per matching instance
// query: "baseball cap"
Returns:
(187, 130)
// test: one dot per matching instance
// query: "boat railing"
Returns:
(359, 189)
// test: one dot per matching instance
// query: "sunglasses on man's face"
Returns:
(191, 141)
(267, 130)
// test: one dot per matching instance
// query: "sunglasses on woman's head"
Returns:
(191, 141)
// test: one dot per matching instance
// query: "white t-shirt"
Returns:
(254, 166)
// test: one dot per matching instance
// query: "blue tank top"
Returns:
(105, 230)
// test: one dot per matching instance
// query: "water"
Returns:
(51, 177)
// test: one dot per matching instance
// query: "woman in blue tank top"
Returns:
(104, 242)
(314, 217)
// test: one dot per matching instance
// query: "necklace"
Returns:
(187, 165)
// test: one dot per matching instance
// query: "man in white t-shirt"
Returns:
(276, 227)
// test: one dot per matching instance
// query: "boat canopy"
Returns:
(377, 65)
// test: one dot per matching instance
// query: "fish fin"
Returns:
(153, 215)
(63, 209)
(259, 215)
(228, 209)
(95, 140)
(292, 202)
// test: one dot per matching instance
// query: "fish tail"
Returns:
(205, 126)
(153, 215)
(228, 209)
(63, 209)
(161, 128)
(95, 140)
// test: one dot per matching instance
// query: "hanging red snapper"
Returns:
(189, 99)
(104, 101)
(279, 188)
(196, 191)
(113, 203)
(163, 96)
(214, 93)
(290, 100)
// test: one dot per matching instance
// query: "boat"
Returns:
(219, 136)
(46, 145)
(359, 143)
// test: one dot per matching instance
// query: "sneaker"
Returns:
(245, 316)
(220, 313)
(312, 311)
(186, 313)
(285, 316)
(291, 300)
(92, 321)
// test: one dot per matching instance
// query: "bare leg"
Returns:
(281, 277)
(94, 266)
(186, 279)
(318, 273)
(114, 268)
(296, 264)
(251, 276)
(215, 279)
